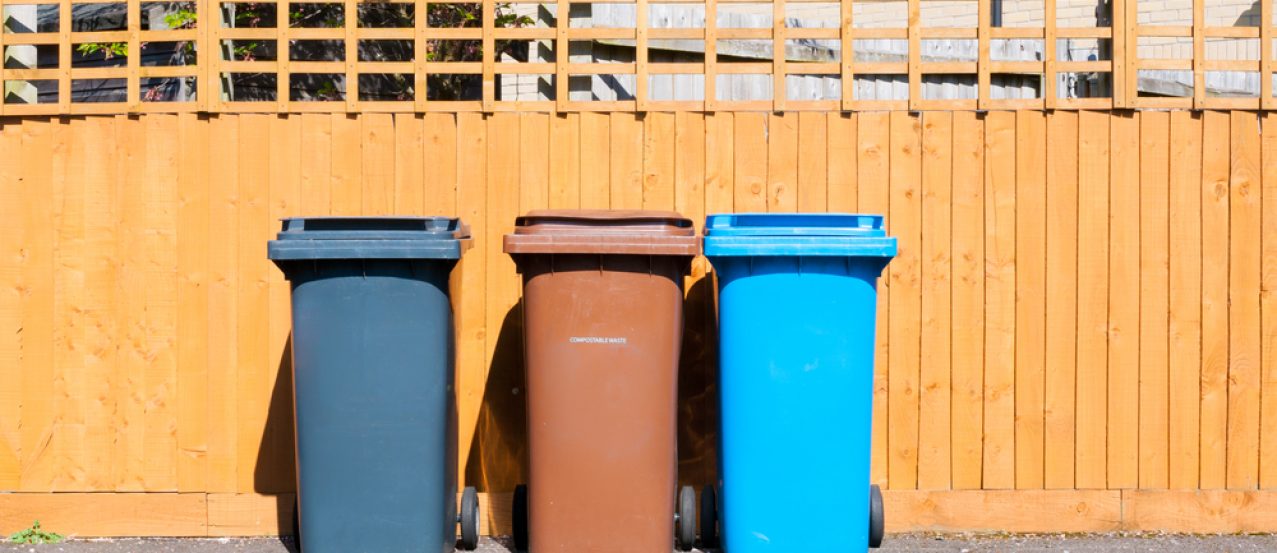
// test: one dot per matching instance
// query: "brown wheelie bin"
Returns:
(603, 323)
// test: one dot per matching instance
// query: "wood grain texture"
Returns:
(999, 301)
(11, 299)
(935, 372)
(1154, 277)
(1030, 297)
(1215, 254)
(967, 333)
(1060, 348)
(782, 162)
(1124, 295)
(1093, 297)
(905, 273)
(1185, 289)
(1244, 347)
(150, 334)
(1268, 309)
(873, 181)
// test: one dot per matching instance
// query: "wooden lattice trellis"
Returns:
(209, 68)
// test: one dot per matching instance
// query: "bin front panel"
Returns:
(602, 338)
(796, 385)
(376, 431)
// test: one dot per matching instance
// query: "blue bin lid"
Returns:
(797, 234)
(369, 238)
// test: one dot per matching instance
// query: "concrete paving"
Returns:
(921, 543)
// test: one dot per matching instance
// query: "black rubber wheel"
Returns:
(469, 519)
(686, 519)
(709, 517)
(876, 523)
(297, 525)
(519, 517)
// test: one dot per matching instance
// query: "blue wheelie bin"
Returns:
(797, 298)
(373, 382)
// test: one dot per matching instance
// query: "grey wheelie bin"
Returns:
(373, 355)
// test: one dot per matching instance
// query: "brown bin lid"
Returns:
(601, 231)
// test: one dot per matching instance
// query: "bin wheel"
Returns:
(469, 519)
(686, 518)
(519, 517)
(709, 517)
(875, 517)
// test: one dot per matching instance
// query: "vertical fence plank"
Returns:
(596, 160)
(440, 170)
(471, 197)
(12, 285)
(782, 162)
(501, 284)
(1268, 308)
(967, 317)
(66, 445)
(1030, 296)
(1092, 301)
(316, 165)
(698, 425)
(812, 164)
(501, 288)
(409, 148)
(750, 168)
(1185, 290)
(160, 245)
(273, 472)
(223, 281)
(1243, 300)
(720, 159)
(37, 306)
(658, 161)
(1000, 313)
(1215, 254)
(906, 305)
(131, 369)
(840, 189)
(690, 170)
(252, 292)
(347, 165)
(1059, 426)
(872, 187)
(565, 161)
(534, 162)
(627, 161)
(935, 378)
(192, 304)
(1124, 294)
(377, 135)
(1153, 296)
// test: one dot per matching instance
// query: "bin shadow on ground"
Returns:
(275, 473)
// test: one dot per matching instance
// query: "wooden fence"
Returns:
(1080, 332)
(211, 67)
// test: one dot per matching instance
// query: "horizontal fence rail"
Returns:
(96, 56)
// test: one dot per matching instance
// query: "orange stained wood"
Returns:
(1082, 305)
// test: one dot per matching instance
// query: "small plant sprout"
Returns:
(35, 535)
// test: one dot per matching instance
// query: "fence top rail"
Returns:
(220, 56)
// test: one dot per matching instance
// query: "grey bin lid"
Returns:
(307, 238)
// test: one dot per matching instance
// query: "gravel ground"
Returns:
(923, 543)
